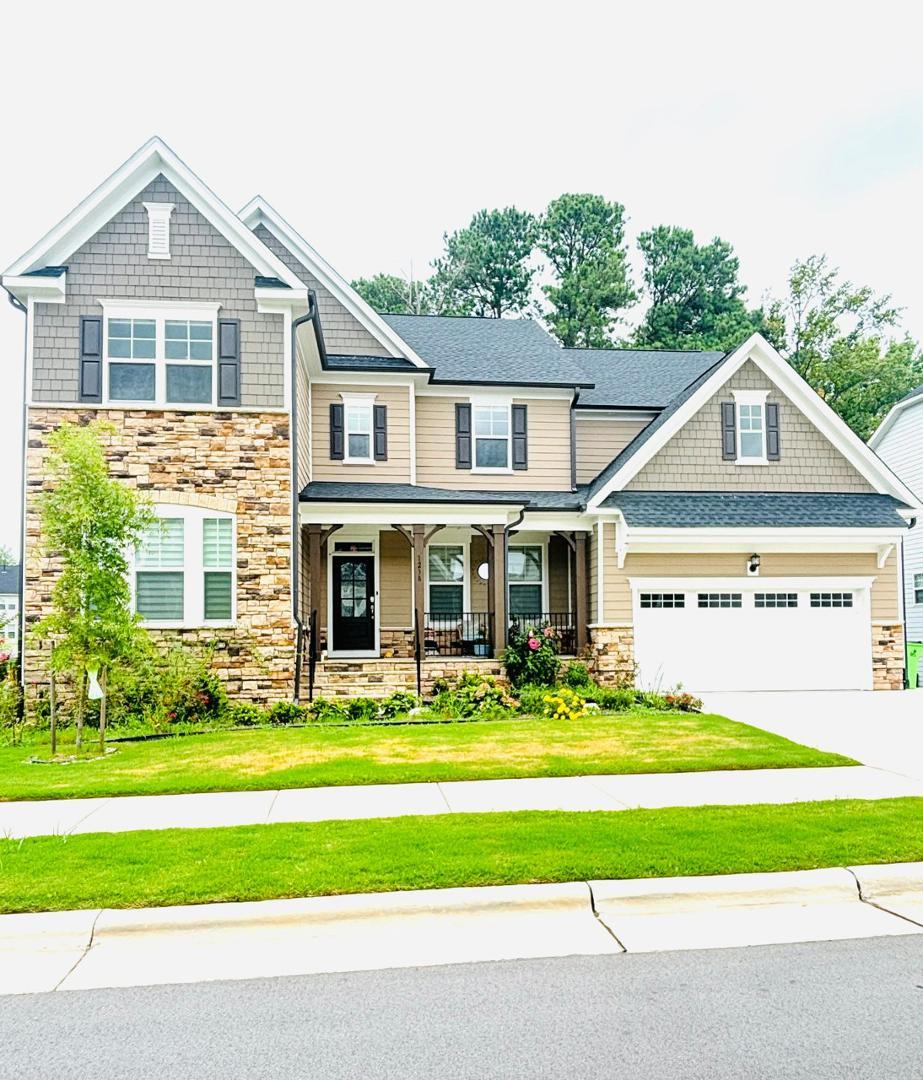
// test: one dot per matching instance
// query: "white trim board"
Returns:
(131, 178)
(757, 349)
(893, 413)
(259, 212)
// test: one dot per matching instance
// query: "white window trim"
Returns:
(160, 314)
(158, 214)
(465, 545)
(492, 403)
(362, 401)
(358, 537)
(543, 544)
(915, 588)
(193, 569)
(749, 397)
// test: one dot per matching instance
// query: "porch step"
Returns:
(384, 677)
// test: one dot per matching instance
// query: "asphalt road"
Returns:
(821, 1011)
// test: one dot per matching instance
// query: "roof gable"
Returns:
(908, 401)
(113, 194)
(780, 374)
(258, 213)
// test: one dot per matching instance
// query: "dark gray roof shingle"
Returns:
(334, 491)
(503, 351)
(339, 362)
(756, 509)
(638, 378)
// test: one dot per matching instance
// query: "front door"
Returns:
(353, 603)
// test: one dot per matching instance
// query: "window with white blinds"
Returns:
(184, 568)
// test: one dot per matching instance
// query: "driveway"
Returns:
(883, 728)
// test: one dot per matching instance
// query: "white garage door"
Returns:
(753, 634)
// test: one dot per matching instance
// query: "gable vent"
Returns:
(158, 229)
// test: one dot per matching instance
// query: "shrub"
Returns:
(399, 704)
(245, 714)
(10, 713)
(532, 699)
(613, 699)
(532, 655)
(474, 695)
(281, 713)
(577, 676)
(162, 689)
(564, 704)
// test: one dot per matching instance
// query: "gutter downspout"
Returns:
(907, 685)
(20, 306)
(312, 316)
(573, 440)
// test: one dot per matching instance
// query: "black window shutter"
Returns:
(728, 430)
(91, 358)
(229, 361)
(772, 431)
(381, 433)
(520, 437)
(462, 436)
(336, 432)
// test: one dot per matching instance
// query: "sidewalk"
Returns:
(649, 791)
(73, 950)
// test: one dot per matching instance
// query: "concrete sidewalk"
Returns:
(74, 950)
(655, 790)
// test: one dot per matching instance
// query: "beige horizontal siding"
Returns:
(599, 439)
(549, 448)
(691, 460)
(396, 469)
(395, 587)
(884, 600)
(558, 573)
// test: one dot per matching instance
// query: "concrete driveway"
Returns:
(883, 728)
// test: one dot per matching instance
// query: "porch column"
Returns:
(314, 566)
(418, 543)
(581, 595)
(497, 586)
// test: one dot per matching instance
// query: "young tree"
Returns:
(394, 294)
(583, 238)
(90, 522)
(485, 267)
(837, 336)
(696, 297)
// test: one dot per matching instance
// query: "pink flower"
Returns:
(534, 643)
(548, 631)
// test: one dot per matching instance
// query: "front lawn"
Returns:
(636, 741)
(260, 862)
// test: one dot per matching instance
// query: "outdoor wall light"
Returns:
(483, 571)
(753, 565)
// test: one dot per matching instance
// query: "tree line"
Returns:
(570, 267)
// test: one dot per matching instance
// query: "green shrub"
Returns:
(532, 655)
(399, 704)
(474, 695)
(577, 676)
(245, 714)
(362, 710)
(532, 699)
(281, 713)
(613, 699)
(10, 712)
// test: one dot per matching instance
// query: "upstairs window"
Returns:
(157, 358)
(491, 437)
(183, 573)
(358, 419)
(751, 432)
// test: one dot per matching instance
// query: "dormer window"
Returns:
(750, 428)
(158, 230)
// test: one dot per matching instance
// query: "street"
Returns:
(814, 1011)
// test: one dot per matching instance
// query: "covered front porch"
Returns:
(437, 584)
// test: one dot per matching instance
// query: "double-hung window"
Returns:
(751, 426)
(357, 416)
(918, 588)
(446, 566)
(184, 569)
(491, 437)
(160, 355)
(526, 579)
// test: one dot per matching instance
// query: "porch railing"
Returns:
(562, 622)
(466, 633)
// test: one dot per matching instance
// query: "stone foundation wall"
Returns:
(234, 462)
(612, 655)
(400, 642)
(382, 677)
(887, 656)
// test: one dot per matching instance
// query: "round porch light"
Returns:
(483, 571)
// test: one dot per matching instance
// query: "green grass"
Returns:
(632, 742)
(191, 866)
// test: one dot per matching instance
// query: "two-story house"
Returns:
(345, 495)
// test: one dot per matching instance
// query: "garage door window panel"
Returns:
(663, 600)
(720, 600)
(831, 599)
(775, 600)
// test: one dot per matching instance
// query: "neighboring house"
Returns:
(702, 517)
(898, 441)
(9, 609)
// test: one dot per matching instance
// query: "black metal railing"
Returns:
(562, 622)
(466, 633)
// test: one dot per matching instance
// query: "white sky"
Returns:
(787, 129)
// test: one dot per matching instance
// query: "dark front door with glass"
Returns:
(354, 603)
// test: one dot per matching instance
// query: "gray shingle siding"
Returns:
(203, 266)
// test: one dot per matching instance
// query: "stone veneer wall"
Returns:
(887, 656)
(612, 655)
(236, 462)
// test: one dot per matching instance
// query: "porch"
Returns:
(389, 606)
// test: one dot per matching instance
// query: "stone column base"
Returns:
(612, 655)
(887, 656)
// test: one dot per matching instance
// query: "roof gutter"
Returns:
(312, 316)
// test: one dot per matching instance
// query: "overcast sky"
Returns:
(787, 129)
